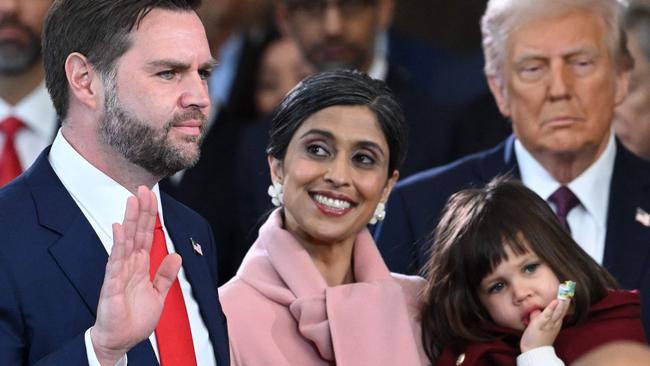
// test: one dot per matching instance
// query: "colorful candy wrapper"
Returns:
(566, 290)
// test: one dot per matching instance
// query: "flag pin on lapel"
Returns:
(196, 247)
(642, 217)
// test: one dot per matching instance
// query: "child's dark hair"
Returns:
(469, 243)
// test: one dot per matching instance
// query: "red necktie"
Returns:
(9, 164)
(173, 333)
(564, 201)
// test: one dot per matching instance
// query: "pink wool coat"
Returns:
(281, 311)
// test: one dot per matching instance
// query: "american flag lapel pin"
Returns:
(196, 247)
(642, 217)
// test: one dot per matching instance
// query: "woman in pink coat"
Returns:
(313, 289)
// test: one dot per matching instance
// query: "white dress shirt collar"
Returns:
(591, 187)
(99, 197)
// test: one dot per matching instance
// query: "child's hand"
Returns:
(544, 325)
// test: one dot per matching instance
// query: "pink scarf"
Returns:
(362, 323)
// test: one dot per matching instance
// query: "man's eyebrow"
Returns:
(528, 55)
(179, 65)
(168, 64)
(210, 64)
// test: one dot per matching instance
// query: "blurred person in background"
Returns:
(28, 120)
(632, 122)
(281, 68)
(350, 34)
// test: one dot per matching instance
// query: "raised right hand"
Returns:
(130, 304)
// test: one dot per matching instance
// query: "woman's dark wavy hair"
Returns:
(340, 88)
(469, 243)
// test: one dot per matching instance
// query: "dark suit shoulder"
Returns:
(631, 165)
(13, 196)
(415, 204)
(19, 217)
(470, 171)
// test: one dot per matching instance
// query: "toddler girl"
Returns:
(498, 256)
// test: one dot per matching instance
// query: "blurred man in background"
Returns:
(27, 117)
(632, 122)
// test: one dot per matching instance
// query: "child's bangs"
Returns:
(494, 235)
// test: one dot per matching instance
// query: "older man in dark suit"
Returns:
(557, 69)
(128, 80)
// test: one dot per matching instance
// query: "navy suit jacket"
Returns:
(415, 204)
(52, 268)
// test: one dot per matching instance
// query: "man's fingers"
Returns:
(117, 252)
(153, 207)
(152, 214)
(144, 219)
(129, 225)
(144, 198)
(116, 257)
(167, 273)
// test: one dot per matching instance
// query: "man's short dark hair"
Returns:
(98, 29)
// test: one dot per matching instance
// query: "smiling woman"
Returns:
(313, 289)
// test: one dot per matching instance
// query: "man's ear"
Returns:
(83, 81)
(499, 92)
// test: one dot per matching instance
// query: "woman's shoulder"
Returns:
(412, 286)
(409, 282)
(235, 290)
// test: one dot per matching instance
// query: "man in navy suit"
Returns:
(557, 69)
(128, 81)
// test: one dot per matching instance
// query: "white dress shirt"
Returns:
(37, 112)
(588, 220)
(379, 67)
(103, 202)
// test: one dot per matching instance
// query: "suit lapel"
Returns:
(82, 258)
(627, 244)
(78, 252)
